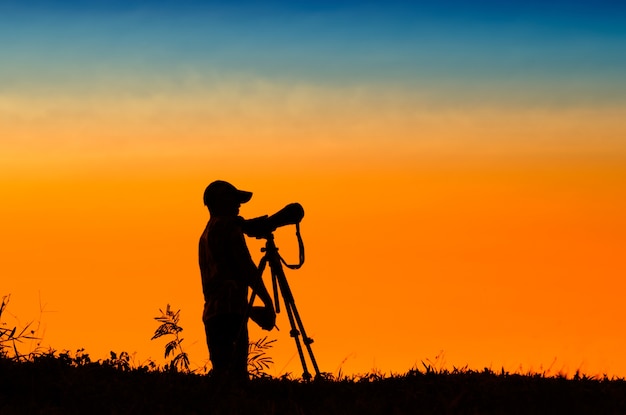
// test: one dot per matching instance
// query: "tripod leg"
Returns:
(307, 340)
(297, 327)
(276, 293)
(296, 336)
(278, 277)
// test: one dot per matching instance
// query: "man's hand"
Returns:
(265, 317)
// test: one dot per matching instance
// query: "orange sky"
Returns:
(494, 234)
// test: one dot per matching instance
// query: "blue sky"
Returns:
(560, 44)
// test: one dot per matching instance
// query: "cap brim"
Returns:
(243, 196)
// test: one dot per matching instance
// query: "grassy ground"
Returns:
(61, 384)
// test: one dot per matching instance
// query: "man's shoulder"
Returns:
(224, 224)
(234, 221)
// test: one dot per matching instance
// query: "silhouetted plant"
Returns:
(437, 365)
(65, 358)
(121, 362)
(258, 360)
(170, 327)
(80, 358)
(9, 337)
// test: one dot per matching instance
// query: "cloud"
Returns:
(217, 118)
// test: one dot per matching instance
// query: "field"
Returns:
(53, 383)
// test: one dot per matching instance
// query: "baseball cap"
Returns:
(220, 188)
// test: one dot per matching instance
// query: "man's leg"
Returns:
(229, 355)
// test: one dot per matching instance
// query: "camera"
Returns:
(263, 226)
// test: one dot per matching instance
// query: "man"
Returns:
(227, 271)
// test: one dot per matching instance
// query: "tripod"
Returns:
(281, 286)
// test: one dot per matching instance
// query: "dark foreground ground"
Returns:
(54, 386)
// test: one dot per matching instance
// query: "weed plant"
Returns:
(170, 327)
(258, 357)
(11, 336)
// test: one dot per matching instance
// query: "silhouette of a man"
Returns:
(227, 271)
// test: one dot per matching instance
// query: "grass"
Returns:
(66, 383)
(51, 382)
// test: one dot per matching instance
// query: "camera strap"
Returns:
(300, 251)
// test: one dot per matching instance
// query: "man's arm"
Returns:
(259, 288)
(249, 270)
(265, 317)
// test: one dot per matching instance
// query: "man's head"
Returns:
(222, 198)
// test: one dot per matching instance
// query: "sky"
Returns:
(461, 166)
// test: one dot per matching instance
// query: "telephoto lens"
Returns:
(263, 226)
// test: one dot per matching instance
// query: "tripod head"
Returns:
(264, 226)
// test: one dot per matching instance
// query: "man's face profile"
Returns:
(227, 204)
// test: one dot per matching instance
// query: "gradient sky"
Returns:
(461, 165)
